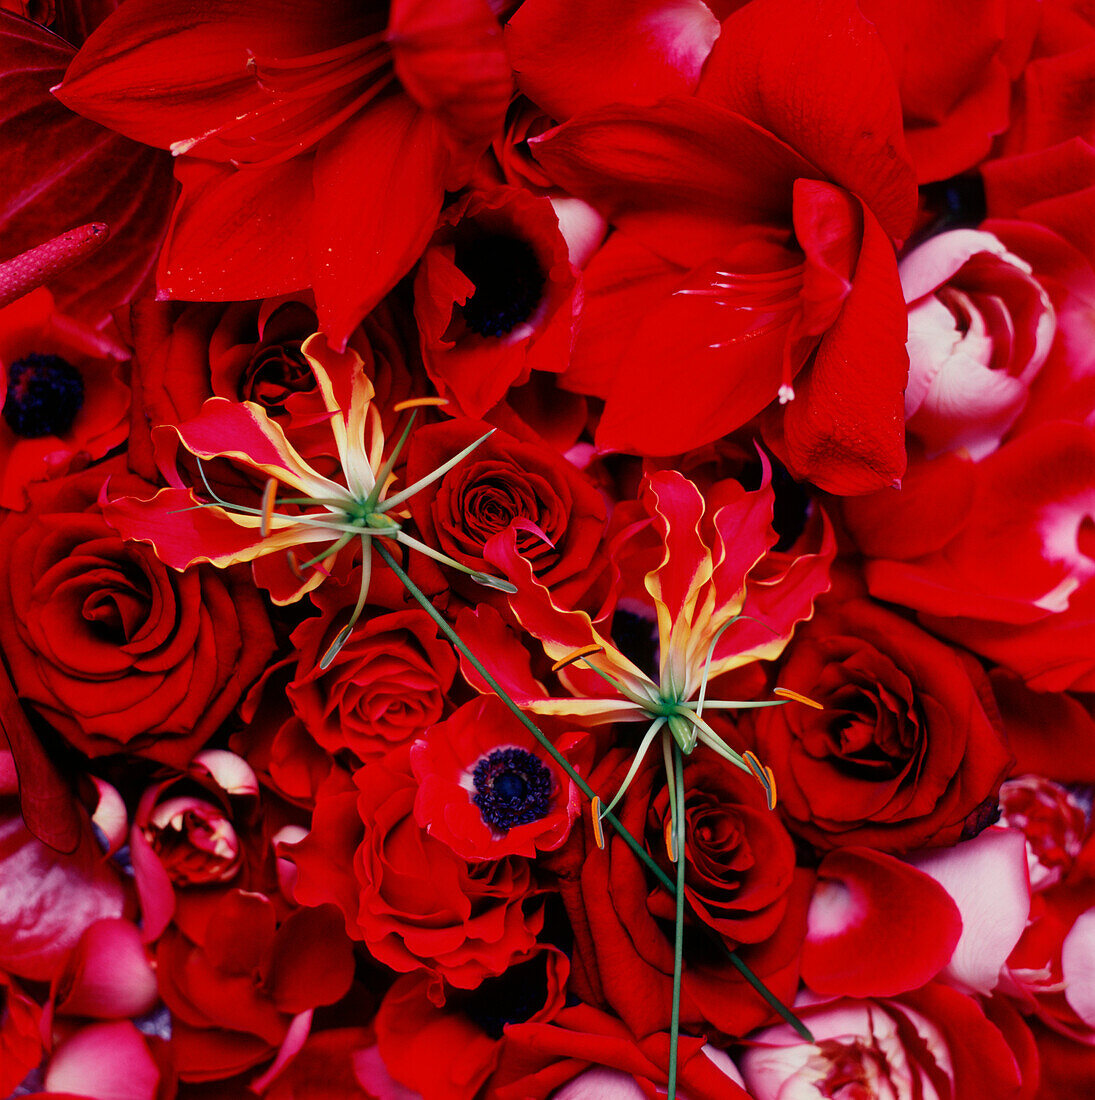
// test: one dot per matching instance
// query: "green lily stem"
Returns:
(578, 781)
(678, 928)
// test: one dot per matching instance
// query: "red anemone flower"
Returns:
(308, 134)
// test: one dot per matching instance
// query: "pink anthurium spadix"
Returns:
(299, 507)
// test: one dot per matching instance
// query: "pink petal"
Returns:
(1078, 967)
(108, 974)
(105, 1061)
(988, 880)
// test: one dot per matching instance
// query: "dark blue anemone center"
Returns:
(509, 282)
(512, 787)
(44, 395)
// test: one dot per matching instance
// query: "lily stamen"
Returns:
(577, 655)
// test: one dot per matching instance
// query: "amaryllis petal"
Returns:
(817, 76)
(663, 173)
(449, 58)
(571, 59)
(876, 926)
(725, 333)
(61, 171)
(105, 1060)
(140, 71)
(845, 428)
(237, 234)
(379, 182)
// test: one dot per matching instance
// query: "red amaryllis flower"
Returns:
(308, 135)
(766, 207)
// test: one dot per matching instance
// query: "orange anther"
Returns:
(598, 828)
(770, 787)
(787, 693)
(418, 403)
(294, 565)
(268, 495)
(577, 655)
(755, 766)
(670, 840)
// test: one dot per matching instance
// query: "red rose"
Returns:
(905, 753)
(384, 687)
(415, 903)
(117, 651)
(739, 858)
(506, 485)
(623, 950)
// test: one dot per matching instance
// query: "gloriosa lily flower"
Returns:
(722, 601)
(320, 512)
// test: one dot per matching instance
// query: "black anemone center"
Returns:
(509, 283)
(512, 787)
(44, 395)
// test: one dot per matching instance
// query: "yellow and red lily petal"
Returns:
(242, 432)
(348, 394)
(680, 580)
(560, 631)
(183, 532)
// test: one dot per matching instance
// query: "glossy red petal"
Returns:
(845, 429)
(876, 926)
(61, 171)
(238, 233)
(379, 183)
(191, 75)
(450, 59)
(688, 178)
(724, 334)
(817, 76)
(571, 58)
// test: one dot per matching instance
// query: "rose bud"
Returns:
(1052, 819)
(980, 328)
(194, 840)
